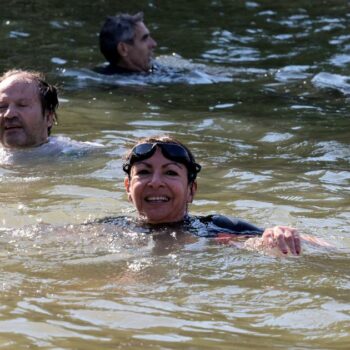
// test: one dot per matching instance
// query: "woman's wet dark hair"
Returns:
(47, 92)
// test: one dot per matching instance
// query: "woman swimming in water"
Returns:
(161, 182)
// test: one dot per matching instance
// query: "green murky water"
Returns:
(260, 92)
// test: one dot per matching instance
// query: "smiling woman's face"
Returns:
(159, 189)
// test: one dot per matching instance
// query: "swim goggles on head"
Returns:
(171, 151)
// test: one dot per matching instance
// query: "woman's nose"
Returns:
(156, 180)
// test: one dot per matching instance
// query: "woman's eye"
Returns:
(171, 173)
(142, 172)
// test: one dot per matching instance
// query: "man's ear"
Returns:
(49, 116)
(193, 190)
(123, 49)
(127, 188)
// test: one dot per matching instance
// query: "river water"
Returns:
(260, 91)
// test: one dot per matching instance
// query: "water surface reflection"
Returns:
(261, 96)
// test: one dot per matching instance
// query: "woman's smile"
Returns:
(158, 199)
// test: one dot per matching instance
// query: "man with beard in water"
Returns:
(127, 45)
(27, 109)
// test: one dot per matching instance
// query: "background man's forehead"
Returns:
(23, 80)
(20, 87)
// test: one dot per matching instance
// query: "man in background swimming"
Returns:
(127, 45)
(27, 109)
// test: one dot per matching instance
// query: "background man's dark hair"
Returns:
(116, 29)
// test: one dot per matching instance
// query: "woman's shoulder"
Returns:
(217, 223)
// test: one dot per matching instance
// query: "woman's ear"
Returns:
(192, 192)
(127, 188)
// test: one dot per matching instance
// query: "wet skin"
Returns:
(22, 121)
(137, 56)
(159, 189)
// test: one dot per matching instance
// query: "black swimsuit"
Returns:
(202, 226)
(217, 224)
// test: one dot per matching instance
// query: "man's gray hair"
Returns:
(116, 29)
